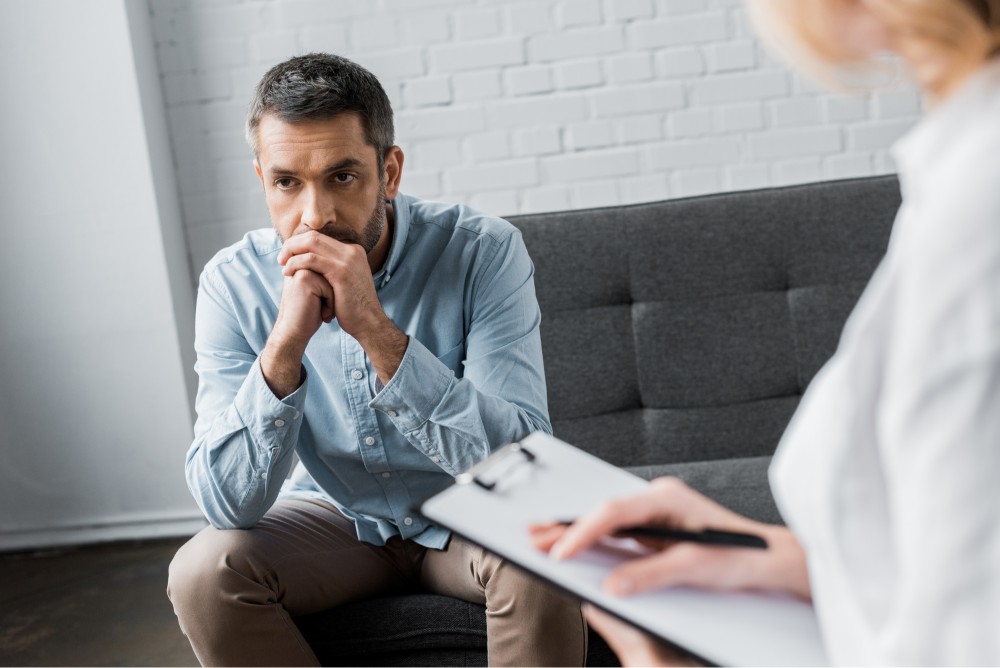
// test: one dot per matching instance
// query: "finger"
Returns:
(542, 527)
(692, 510)
(314, 262)
(300, 243)
(606, 519)
(327, 311)
(312, 283)
(632, 646)
(310, 242)
(609, 627)
(681, 564)
(544, 536)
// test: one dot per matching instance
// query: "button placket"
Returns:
(365, 418)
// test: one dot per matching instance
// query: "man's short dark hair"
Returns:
(319, 86)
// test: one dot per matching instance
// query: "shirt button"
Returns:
(408, 521)
(392, 413)
(263, 474)
(357, 375)
(386, 474)
(436, 459)
(370, 440)
(279, 423)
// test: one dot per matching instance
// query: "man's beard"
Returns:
(372, 232)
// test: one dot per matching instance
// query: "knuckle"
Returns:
(669, 484)
(608, 508)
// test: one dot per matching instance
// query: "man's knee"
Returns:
(503, 580)
(531, 622)
(205, 566)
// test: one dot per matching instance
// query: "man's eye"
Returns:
(284, 183)
(343, 178)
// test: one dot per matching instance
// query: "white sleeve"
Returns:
(938, 428)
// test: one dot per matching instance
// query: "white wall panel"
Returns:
(95, 292)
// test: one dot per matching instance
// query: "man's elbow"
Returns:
(227, 518)
(220, 512)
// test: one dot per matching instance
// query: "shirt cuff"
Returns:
(415, 390)
(264, 414)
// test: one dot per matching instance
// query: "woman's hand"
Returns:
(670, 503)
(632, 646)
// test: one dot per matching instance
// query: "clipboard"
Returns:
(542, 478)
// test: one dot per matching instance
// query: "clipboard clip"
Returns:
(499, 464)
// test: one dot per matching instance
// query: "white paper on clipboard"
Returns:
(541, 479)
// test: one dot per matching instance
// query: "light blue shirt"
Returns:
(461, 285)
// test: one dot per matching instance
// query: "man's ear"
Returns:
(393, 171)
(260, 175)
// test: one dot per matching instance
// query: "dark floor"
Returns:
(92, 606)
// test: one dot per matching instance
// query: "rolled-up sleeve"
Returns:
(244, 435)
(501, 396)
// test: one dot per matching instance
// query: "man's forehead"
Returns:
(343, 133)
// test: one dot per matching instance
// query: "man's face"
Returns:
(322, 175)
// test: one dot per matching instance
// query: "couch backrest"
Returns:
(687, 330)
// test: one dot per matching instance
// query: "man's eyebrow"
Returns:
(277, 170)
(344, 164)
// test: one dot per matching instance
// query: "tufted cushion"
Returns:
(686, 330)
(739, 483)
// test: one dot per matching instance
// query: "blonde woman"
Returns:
(889, 474)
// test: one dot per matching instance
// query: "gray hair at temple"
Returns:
(319, 86)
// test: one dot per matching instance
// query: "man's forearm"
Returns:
(281, 365)
(385, 345)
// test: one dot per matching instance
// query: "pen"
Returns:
(706, 536)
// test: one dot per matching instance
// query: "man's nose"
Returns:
(317, 211)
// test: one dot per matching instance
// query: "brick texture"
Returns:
(517, 107)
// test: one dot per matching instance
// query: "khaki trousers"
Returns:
(235, 592)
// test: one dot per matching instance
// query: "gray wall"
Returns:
(95, 298)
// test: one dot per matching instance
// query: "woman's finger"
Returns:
(648, 507)
(632, 646)
(544, 536)
(680, 564)
(690, 564)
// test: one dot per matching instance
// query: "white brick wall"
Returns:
(516, 106)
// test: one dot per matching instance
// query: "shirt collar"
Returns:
(400, 230)
(931, 138)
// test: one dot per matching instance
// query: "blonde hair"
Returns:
(941, 40)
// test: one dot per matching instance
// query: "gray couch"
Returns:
(678, 339)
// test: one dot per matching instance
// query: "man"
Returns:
(391, 343)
